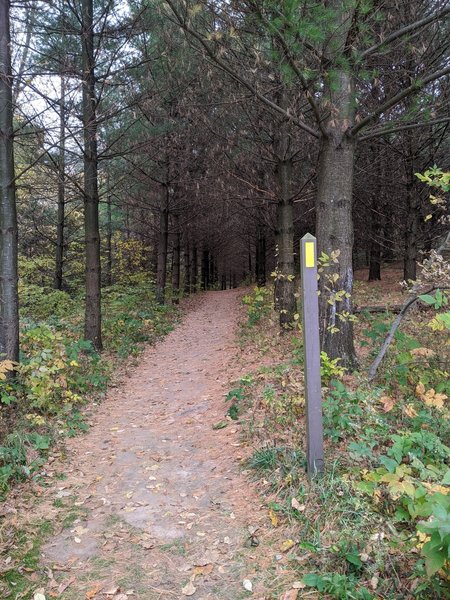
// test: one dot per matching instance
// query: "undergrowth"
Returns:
(377, 524)
(59, 372)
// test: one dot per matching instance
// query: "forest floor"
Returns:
(191, 479)
(154, 500)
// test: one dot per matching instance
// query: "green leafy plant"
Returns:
(258, 305)
(436, 549)
(330, 368)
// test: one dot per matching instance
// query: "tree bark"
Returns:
(376, 225)
(194, 271)
(176, 258)
(205, 269)
(92, 324)
(334, 192)
(284, 290)
(334, 221)
(411, 231)
(60, 218)
(109, 238)
(9, 303)
(187, 268)
(161, 273)
(261, 259)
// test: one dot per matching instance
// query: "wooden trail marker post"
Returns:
(311, 344)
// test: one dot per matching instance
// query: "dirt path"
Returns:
(159, 501)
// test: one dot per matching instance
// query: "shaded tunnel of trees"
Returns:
(199, 141)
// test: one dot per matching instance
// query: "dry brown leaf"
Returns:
(296, 504)
(189, 589)
(289, 595)
(426, 352)
(298, 585)
(388, 403)
(93, 591)
(420, 389)
(203, 570)
(433, 398)
(111, 591)
(410, 411)
(65, 584)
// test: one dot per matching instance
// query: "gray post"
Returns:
(311, 342)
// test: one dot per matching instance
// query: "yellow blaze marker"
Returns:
(310, 259)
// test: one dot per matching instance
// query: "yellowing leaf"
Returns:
(420, 389)
(287, 545)
(274, 518)
(433, 398)
(410, 411)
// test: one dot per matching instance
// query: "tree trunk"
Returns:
(60, 218)
(187, 268)
(92, 324)
(376, 229)
(205, 269)
(194, 268)
(9, 304)
(161, 273)
(411, 232)
(335, 232)
(176, 259)
(108, 238)
(261, 260)
(285, 301)
(334, 228)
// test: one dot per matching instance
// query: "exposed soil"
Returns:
(159, 496)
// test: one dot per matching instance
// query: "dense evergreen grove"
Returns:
(210, 137)
(152, 149)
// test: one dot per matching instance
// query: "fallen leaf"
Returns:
(93, 591)
(274, 518)
(204, 570)
(220, 425)
(189, 589)
(39, 595)
(248, 585)
(433, 398)
(364, 557)
(65, 584)
(287, 545)
(112, 590)
(410, 411)
(290, 595)
(299, 585)
(387, 402)
(420, 389)
(296, 504)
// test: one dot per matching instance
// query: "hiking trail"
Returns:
(162, 507)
